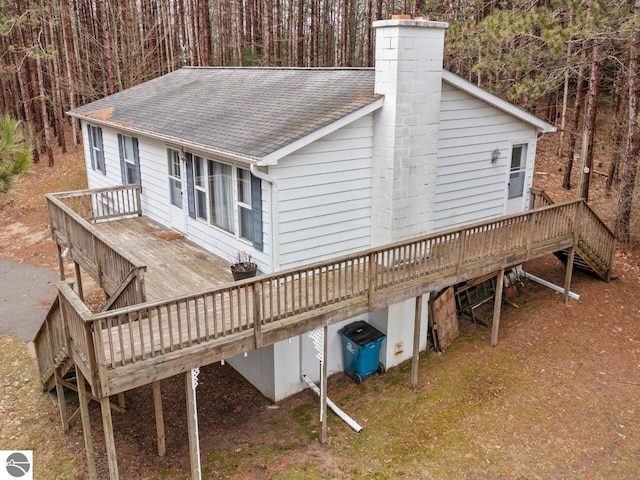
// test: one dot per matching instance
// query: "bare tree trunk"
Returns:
(268, 34)
(619, 128)
(301, 17)
(25, 83)
(205, 32)
(106, 45)
(565, 101)
(240, 33)
(57, 92)
(69, 57)
(592, 109)
(43, 96)
(326, 43)
(630, 171)
(291, 33)
(575, 123)
(313, 56)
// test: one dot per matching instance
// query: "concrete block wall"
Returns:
(409, 56)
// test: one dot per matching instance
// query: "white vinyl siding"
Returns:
(325, 196)
(469, 188)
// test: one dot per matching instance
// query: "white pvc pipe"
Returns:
(550, 285)
(347, 419)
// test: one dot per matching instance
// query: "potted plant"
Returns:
(243, 266)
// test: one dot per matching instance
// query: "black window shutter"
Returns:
(191, 197)
(123, 170)
(136, 159)
(91, 152)
(256, 208)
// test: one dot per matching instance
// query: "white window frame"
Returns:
(201, 188)
(174, 160)
(96, 152)
(520, 171)
(240, 205)
(232, 230)
(130, 165)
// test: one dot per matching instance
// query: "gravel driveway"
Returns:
(26, 293)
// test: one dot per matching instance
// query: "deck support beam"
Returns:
(86, 425)
(110, 444)
(417, 323)
(323, 387)
(191, 383)
(568, 275)
(157, 406)
(497, 305)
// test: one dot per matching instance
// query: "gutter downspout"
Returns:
(347, 419)
(275, 256)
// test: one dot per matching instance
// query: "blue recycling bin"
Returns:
(361, 350)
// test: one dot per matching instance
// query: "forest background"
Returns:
(558, 59)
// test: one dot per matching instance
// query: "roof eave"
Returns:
(540, 125)
(172, 141)
(273, 157)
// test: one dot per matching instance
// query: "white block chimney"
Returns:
(408, 72)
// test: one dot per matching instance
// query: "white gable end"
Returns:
(469, 187)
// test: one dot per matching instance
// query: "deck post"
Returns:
(76, 267)
(373, 272)
(157, 405)
(110, 444)
(60, 261)
(497, 305)
(568, 275)
(191, 383)
(86, 425)
(416, 342)
(323, 387)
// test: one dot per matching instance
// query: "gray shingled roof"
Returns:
(247, 111)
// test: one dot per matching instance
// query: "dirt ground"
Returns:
(558, 397)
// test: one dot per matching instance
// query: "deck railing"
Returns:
(72, 214)
(134, 331)
(133, 334)
(596, 240)
(51, 343)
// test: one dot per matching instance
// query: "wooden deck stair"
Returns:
(586, 257)
(140, 342)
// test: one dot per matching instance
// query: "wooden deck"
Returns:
(175, 265)
(174, 306)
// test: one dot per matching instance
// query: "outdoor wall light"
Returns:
(495, 155)
(182, 156)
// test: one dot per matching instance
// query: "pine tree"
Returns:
(15, 152)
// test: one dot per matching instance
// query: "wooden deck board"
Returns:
(175, 265)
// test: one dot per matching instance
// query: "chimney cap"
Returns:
(409, 22)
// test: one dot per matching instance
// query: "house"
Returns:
(298, 165)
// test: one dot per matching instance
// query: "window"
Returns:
(129, 159)
(96, 149)
(245, 212)
(221, 195)
(175, 179)
(518, 171)
(200, 186)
